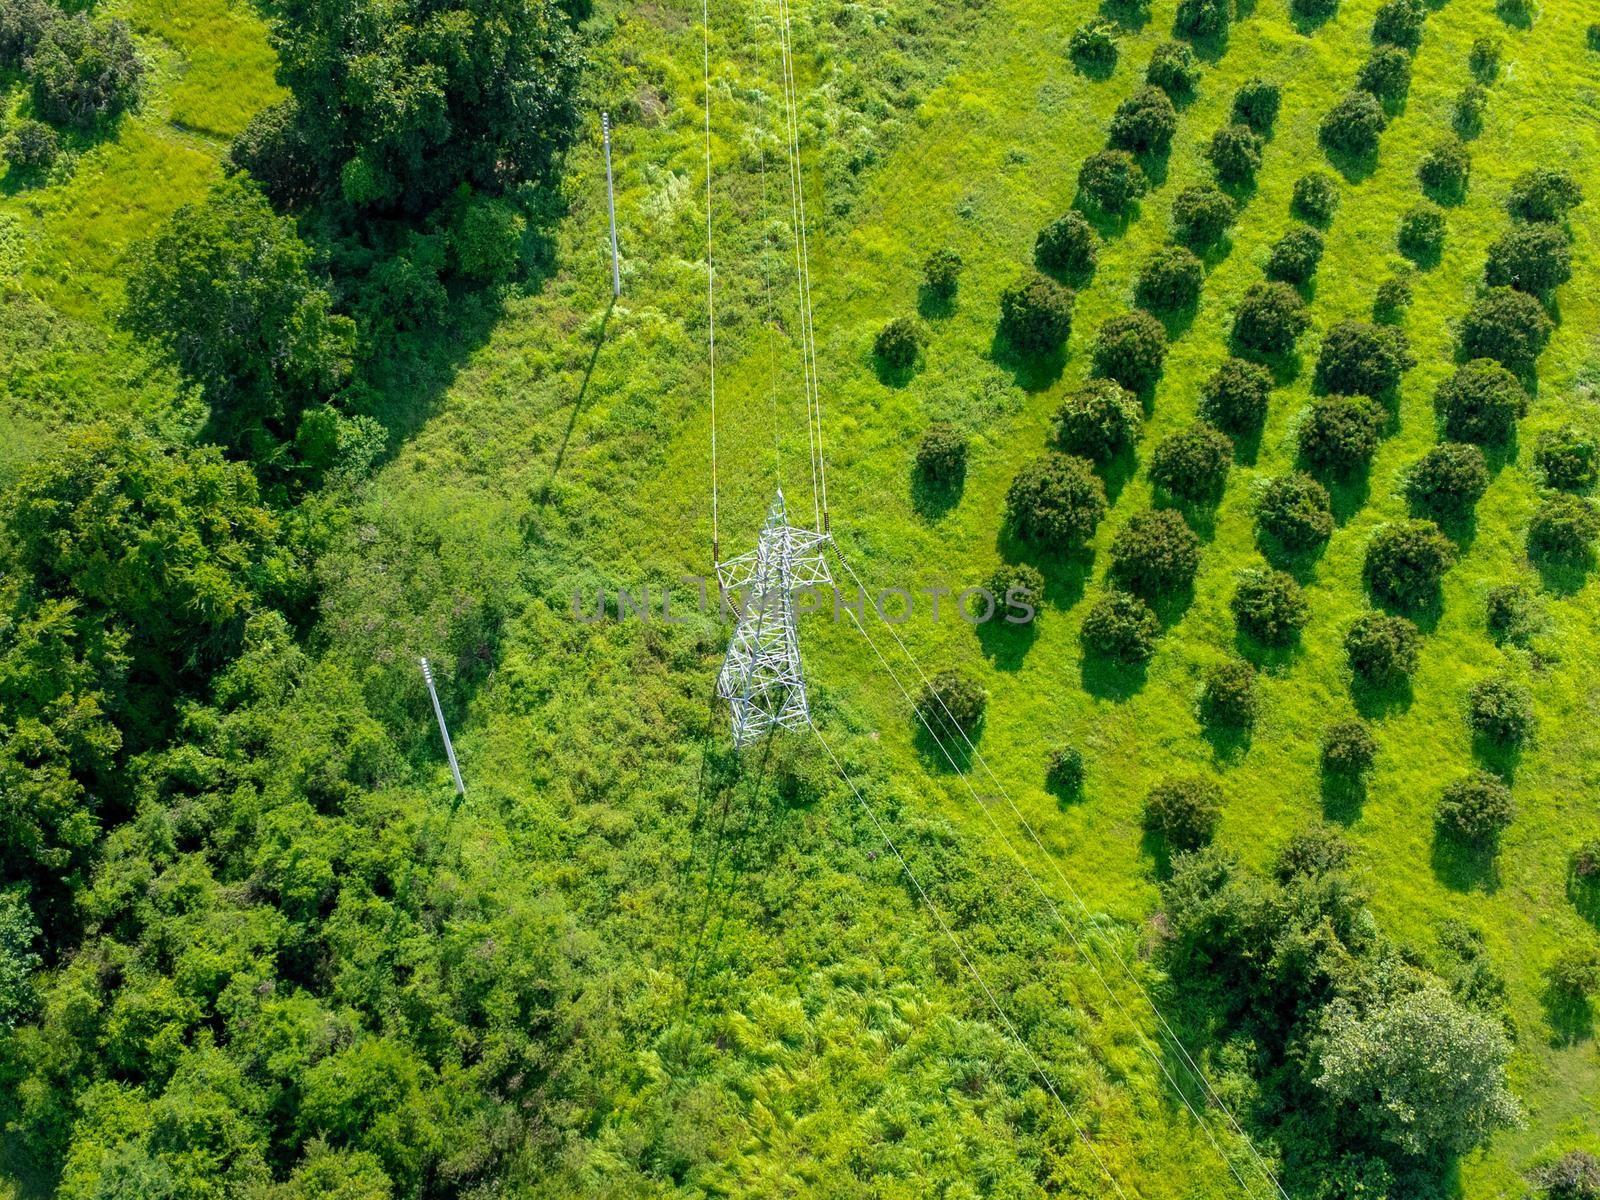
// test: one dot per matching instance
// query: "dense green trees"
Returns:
(1480, 403)
(1183, 811)
(1235, 153)
(1508, 326)
(1192, 464)
(1055, 502)
(1256, 104)
(1357, 359)
(1381, 648)
(1110, 181)
(1069, 245)
(1339, 435)
(1036, 314)
(900, 342)
(1201, 214)
(1449, 480)
(1269, 606)
(1295, 510)
(1535, 257)
(1170, 280)
(1122, 628)
(1315, 198)
(1130, 350)
(1352, 126)
(1270, 319)
(1097, 421)
(1155, 554)
(1234, 397)
(1405, 562)
(1144, 123)
(941, 457)
(1295, 256)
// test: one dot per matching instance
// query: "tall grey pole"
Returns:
(611, 207)
(449, 750)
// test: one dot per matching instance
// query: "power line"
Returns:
(711, 279)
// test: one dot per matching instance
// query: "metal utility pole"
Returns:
(449, 750)
(611, 207)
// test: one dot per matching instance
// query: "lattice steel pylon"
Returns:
(761, 676)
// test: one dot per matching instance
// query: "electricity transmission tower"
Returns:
(761, 676)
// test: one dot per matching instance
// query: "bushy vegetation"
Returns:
(952, 705)
(941, 273)
(1563, 529)
(1357, 359)
(1144, 123)
(1174, 70)
(1036, 314)
(1184, 811)
(1068, 245)
(1268, 605)
(1228, 698)
(1501, 711)
(1352, 126)
(1202, 18)
(1055, 502)
(1155, 554)
(1480, 403)
(1476, 809)
(1444, 171)
(1256, 105)
(1192, 464)
(1508, 326)
(1201, 215)
(1382, 648)
(1234, 398)
(1422, 231)
(1315, 198)
(1399, 23)
(1339, 435)
(1544, 194)
(1569, 457)
(1097, 421)
(1170, 280)
(941, 457)
(900, 342)
(1235, 153)
(1130, 350)
(1110, 181)
(1063, 773)
(1270, 319)
(1386, 74)
(1449, 480)
(1093, 46)
(1348, 750)
(1533, 257)
(1295, 256)
(1405, 562)
(1294, 510)
(1121, 627)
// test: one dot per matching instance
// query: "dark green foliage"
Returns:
(1500, 711)
(1314, 852)
(1480, 403)
(1392, 300)
(1544, 194)
(1484, 59)
(1422, 234)
(22, 26)
(1093, 45)
(1476, 809)
(1508, 326)
(1316, 197)
(1036, 314)
(1121, 627)
(19, 934)
(1509, 613)
(1449, 480)
(225, 289)
(1296, 512)
(1174, 70)
(1569, 458)
(1183, 811)
(1576, 1174)
(1348, 749)
(31, 146)
(1201, 214)
(1405, 562)
(1357, 359)
(1314, 11)
(1594, 36)
(1574, 975)
(1144, 123)
(1339, 435)
(1399, 23)
(1382, 649)
(1234, 398)
(1228, 697)
(942, 455)
(1471, 103)
(1269, 607)
(1055, 502)
(1097, 421)
(1256, 104)
(1063, 774)
(1235, 153)
(1192, 464)
(1170, 280)
(84, 73)
(1155, 554)
(1270, 319)
(1386, 73)
(1069, 245)
(1352, 126)
(952, 705)
(1533, 258)
(1130, 349)
(942, 273)
(1444, 170)
(1563, 529)
(1110, 180)
(1021, 583)
(1295, 256)
(1515, 12)
(900, 342)
(1202, 18)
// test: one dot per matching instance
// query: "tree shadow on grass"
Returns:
(1355, 168)
(1246, 446)
(1116, 471)
(1109, 678)
(1159, 851)
(1460, 528)
(1108, 225)
(1130, 14)
(1499, 758)
(1267, 657)
(1570, 1016)
(1376, 700)
(1464, 866)
(1229, 743)
(934, 305)
(1096, 69)
(932, 498)
(943, 752)
(1301, 564)
(1006, 645)
(1065, 575)
(1200, 517)
(1563, 577)
(1176, 321)
(1584, 895)
(1347, 494)
(1343, 797)
(894, 376)
(1032, 372)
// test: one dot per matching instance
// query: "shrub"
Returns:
(1508, 326)
(1201, 18)
(899, 342)
(1544, 194)
(1256, 104)
(1348, 749)
(22, 27)
(1563, 529)
(1471, 103)
(942, 273)
(1594, 36)
(1568, 458)
(1173, 69)
(1234, 398)
(84, 73)
(1392, 299)
(1098, 421)
(1020, 580)
(1399, 23)
(1121, 627)
(1192, 463)
(1036, 314)
(1422, 233)
(1386, 73)
(1295, 511)
(1500, 711)
(1316, 197)
(1585, 862)
(1055, 502)
(1312, 853)
(1508, 612)
(32, 146)
(1315, 11)
(1268, 606)
(942, 455)
(1476, 809)
(1183, 811)
(1069, 245)
(1339, 435)
(1155, 554)
(1296, 256)
(1444, 170)
(1449, 480)
(1358, 359)
(1533, 258)
(1382, 649)
(1484, 59)
(1270, 319)
(1201, 215)
(1063, 774)
(1576, 1174)
(1574, 973)
(1352, 126)
(1144, 123)
(1228, 695)
(1110, 181)
(1131, 349)
(1405, 561)
(1170, 280)
(952, 705)
(1093, 45)
(1480, 403)
(1235, 153)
